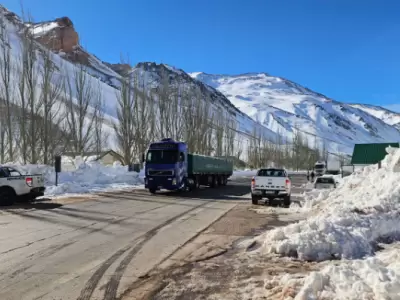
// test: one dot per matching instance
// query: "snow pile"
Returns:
(372, 278)
(89, 176)
(349, 221)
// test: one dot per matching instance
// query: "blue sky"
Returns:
(346, 49)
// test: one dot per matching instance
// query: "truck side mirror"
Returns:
(142, 157)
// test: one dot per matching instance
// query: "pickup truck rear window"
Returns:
(325, 180)
(3, 173)
(271, 173)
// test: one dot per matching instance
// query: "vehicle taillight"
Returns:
(287, 182)
(29, 181)
(253, 182)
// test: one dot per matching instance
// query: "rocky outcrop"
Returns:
(121, 69)
(59, 35)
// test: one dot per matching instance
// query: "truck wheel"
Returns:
(197, 183)
(153, 191)
(286, 201)
(224, 180)
(214, 182)
(7, 196)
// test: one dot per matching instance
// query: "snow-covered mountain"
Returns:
(282, 105)
(274, 105)
(69, 58)
(386, 115)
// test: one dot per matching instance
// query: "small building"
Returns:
(369, 154)
(107, 158)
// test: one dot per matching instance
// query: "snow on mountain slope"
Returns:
(282, 105)
(152, 72)
(101, 76)
(386, 115)
(13, 28)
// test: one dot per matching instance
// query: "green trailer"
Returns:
(209, 171)
(205, 165)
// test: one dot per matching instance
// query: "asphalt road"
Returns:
(96, 249)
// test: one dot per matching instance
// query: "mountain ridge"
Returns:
(275, 105)
(273, 101)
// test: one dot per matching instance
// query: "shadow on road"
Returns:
(42, 204)
(229, 192)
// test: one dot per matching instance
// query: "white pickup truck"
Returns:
(271, 184)
(13, 184)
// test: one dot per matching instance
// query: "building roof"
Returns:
(368, 154)
(98, 155)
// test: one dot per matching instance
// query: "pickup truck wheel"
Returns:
(7, 196)
(286, 201)
(254, 199)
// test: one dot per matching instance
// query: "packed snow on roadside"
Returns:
(88, 177)
(347, 228)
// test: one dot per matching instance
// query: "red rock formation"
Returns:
(63, 37)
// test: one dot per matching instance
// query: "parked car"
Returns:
(325, 182)
(272, 184)
(13, 184)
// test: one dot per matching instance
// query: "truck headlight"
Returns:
(174, 181)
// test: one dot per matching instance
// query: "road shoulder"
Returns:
(215, 245)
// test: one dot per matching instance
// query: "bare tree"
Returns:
(195, 120)
(230, 135)
(29, 99)
(100, 135)
(238, 147)
(7, 89)
(81, 111)
(125, 128)
(218, 127)
(51, 135)
(176, 110)
(163, 93)
(143, 116)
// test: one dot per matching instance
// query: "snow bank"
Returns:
(89, 176)
(353, 223)
(243, 173)
(371, 278)
(347, 222)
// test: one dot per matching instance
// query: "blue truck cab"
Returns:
(166, 165)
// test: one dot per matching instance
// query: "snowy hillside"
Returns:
(388, 116)
(152, 73)
(273, 105)
(283, 105)
(69, 58)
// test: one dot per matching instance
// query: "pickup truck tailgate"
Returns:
(270, 183)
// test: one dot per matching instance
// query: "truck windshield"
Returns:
(319, 166)
(162, 156)
(325, 180)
